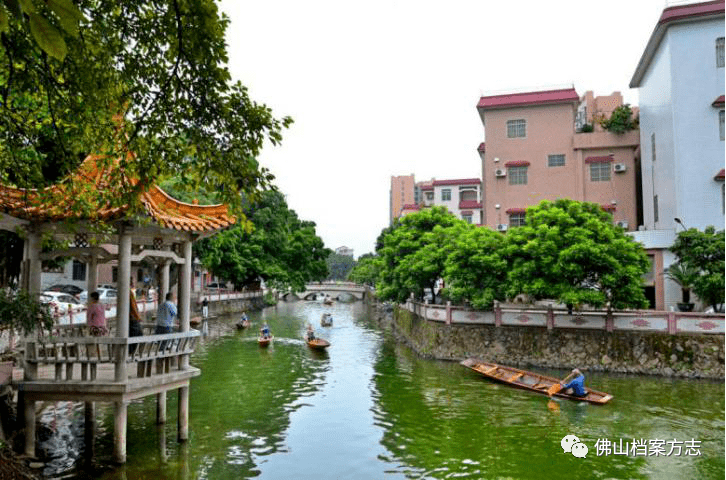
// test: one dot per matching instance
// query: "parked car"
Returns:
(106, 296)
(63, 301)
(65, 288)
(215, 285)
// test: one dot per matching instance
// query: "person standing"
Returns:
(96, 317)
(205, 316)
(165, 315)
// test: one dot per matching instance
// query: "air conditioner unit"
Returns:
(622, 223)
(502, 227)
(620, 167)
(500, 172)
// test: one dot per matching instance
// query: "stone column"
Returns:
(185, 290)
(29, 413)
(92, 282)
(120, 415)
(34, 270)
(164, 281)
(183, 417)
(161, 407)
(122, 303)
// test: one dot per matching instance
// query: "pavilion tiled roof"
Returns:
(96, 174)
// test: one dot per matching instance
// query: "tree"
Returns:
(413, 253)
(704, 252)
(684, 275)
(367, 270)
(279, 248)
(620, 121)
(570, 251)
(136, 76)
(476, 272)
(339, 266)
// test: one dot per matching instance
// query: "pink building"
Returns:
(538, 148)
(402, 193)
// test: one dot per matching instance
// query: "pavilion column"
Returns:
(120, 415)
(29, 413)
(183, 414)
(122, 302)
(185, 295)
(164, 280)
(91, 284)
(34, 269)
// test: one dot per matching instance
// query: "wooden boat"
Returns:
(328, 301)
(318, 344)
(242, 324)
(326, 320)
(264, 341)
(195, 321)
(530, 381)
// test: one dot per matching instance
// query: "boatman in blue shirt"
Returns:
(165, 315)
(576, 386)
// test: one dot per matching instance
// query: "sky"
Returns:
(389, 87)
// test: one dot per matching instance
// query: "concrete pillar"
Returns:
(161, 407)
(33, 246)
(122, 303)
(29, 413)
(164, 281)
(120, 416)
(92, 282)
(186, 284)
(183, 417)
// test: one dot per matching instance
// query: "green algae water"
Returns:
(368, 408)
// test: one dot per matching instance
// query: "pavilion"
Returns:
(70, 365)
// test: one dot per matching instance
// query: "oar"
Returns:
(558, 386)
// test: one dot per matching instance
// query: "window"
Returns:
(652, 146)
(600, 171)
(516, 128)
(720, 124)
(516, 219)
(114, 274)
(655, 208)
(429, 195)
(466, 218)
(79, 270)
(719, 52)
(445, 194)
(517, 175)
(555, 160)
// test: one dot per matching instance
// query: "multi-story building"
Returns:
(547, 145)
(462, 197)
(347, 251)
(680, 78)
(402, 193)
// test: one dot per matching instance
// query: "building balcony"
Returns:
(469, 204)
(593, 140)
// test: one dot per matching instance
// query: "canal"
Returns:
(369, 408)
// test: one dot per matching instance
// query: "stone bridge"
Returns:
(333, 290)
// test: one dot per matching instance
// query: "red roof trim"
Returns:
(517, 163)
(718, 102)
(546, 97)
(516, 210)
(608, 207)
(679, 12)
(467, 212)
(411, 206)
(469, 204)
(599, 159)
(462, 181)
(719, 175)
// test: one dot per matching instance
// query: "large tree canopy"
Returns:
(161, 65)
(280, 249)
(703, 252)
(570, 251)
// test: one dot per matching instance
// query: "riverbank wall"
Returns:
(689, 355)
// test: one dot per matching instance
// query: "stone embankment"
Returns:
(692, 356)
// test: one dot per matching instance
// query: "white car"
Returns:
(63, 301)
(107, 296)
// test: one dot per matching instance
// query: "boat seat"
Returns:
(515, 377)
(491, 371)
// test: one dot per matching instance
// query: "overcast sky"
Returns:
(390, 87)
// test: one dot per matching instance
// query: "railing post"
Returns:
(672, 323)
(609, 321)
(497, 314)
(550, 317)
(448, 312)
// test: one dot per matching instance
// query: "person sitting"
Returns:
(310, 332)
(165, 316)
(576, 386)
(265, 330)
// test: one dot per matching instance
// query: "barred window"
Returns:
(79, 270)
(517, 175)
(555, 160)
(466, 218)
(719, 52)
(600, 171)
(516, 219)
(445, 194)
(516, 128)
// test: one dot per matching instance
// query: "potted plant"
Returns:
(684, 275)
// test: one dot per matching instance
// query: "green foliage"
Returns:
(280, 248)
(586, 128)
(571, 251)
(23, 312)
(339, 266)
(161, 65)
(620, 121)
(704, 253)
(413, 253)
(366, 270)
(476, 272)
(684, 275)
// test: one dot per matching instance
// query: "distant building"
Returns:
(344, 251)
(546, 145)
(680, 78)
(401, 193)
(462, 197)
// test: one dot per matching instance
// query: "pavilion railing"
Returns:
(152, 354)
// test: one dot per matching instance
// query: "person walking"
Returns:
(205, 316)
(96, 317)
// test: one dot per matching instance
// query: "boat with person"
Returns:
(264, 341)
(326, 320)
(534, 382)
(317, 343)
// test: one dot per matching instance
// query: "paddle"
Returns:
(558, 386)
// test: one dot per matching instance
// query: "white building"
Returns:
(680, 78)
(462, 197)
(344, 251)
